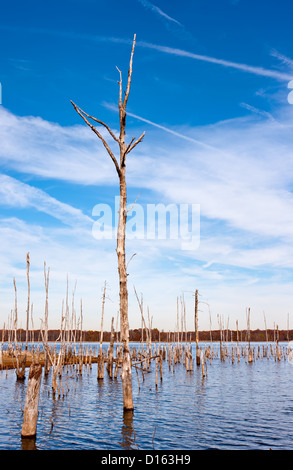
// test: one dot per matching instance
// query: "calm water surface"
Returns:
(236, 406)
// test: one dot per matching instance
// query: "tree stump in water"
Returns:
(30, 415)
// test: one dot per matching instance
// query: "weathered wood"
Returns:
(202, 363)
(45, 340)
(196, 327)
(100, 365)
(100, 356)
(121, 230)
(30, 415)
(28, 298)
(111, 351)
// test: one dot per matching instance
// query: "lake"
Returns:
(236, 406)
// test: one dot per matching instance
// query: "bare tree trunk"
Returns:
(33, 328)
(67, 326)
(121, 169)
(15, 312)
(178, 322)
(250, 359)
(110, 356)
(46, 276)
(30, 416)
(28, 298)
(20, 371)
(102, 315)
(100, 356)
(196, 327)
(202, 363)
(143, 323)
(124, 326)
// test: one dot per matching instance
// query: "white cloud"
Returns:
(34, 146)
(242, 178)
(67, 251)
(239, 173)
(17, 194)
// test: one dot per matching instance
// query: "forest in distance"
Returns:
(139, 335)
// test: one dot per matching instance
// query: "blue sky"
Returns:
(210, 89)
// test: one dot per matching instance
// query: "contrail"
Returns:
(157, 10)
(166, 129)
(167, 50)
(225, 63)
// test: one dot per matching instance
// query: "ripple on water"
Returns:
(236, 406)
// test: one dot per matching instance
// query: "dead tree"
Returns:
(20, 368)
(100, 355)
(21, 373)
(15, 312)
(196, 328)
(120, 166)
(45, 340)
(28, 299)
(30, 415)
(143, 323)
(111, 349)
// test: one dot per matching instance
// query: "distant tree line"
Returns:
(137, 335)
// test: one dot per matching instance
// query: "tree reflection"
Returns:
(127, 430)
(28, 443)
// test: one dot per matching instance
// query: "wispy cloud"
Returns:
(225, 63)
(224, 167)
(232, 171)
(244, 194)
(23, 65)
(158, 11)
(261, 71)
(15, 193)
(285, 60)
(170, 23)
(50, 149)
(255, 110)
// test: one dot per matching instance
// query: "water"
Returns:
(236, 406)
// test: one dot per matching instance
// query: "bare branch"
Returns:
(100, 137)
(129, 75)
(134, 254)
(140, 307)
(100, 122)
(131, 147)
(122, 117)
(132, 204)
(120, 88)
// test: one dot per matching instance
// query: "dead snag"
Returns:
(47, 362)
(120, 166)
(196, 327)
(202, 363)
(20, 371)
(30, 415)
(100, 356)
(110, 355)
